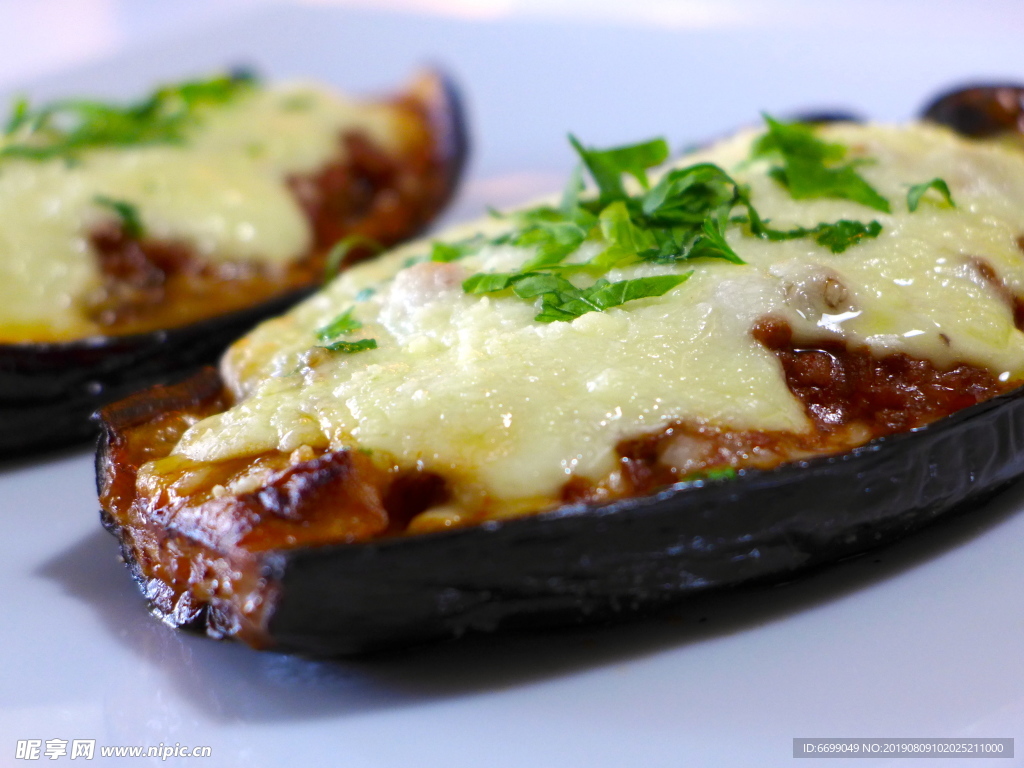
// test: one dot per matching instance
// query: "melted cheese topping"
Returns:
(507, 408)
(223, 192)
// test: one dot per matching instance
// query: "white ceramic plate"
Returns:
(921, 639)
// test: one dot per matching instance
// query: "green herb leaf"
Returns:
(550, 313)
(63, 128)
(352, 346)
(618, 293)
(689, 195)
(364, 294)
(720, 473)
(448, 252)
(713, 244)
(561, 300)
(483, 282)
(619, 229)
(837, 236)
(809, 169)
(916, 192)
(808, 179)
(602, 295)
(343, 248)
(342, 325)
(339, 326)
(795, 140)
(131, 222)
(612, 257)
(573, 189)
(553, 240)
(842, 234)
(537, 284)
(19, 115)
(608, 165)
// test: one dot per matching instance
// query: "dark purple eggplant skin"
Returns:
(582, 564)
(50, 391)
(980, 111)
(446, 113)
(825, 116)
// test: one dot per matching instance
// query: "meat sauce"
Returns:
(386, 197)
(850, 395)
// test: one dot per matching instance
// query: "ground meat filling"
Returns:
(850, 395)
(386, 197)
(368, 192)
(411, 493)
(148, 283)
(840, 386)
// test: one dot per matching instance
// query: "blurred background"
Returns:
(533, 70)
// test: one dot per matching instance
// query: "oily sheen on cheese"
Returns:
(222, 192)
(507, 408)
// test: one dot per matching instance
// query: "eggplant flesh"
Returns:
(49, 391)
(592, 562)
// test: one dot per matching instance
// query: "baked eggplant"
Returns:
(981, 111)
(353, 478)
(184, 219)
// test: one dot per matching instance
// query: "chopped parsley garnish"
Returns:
(842, 234)
(607, 166)
(366, 293)
(570, 302)
(131, 222)
(714, 473)
(352, 346)
(685, 215)
(917, 191)
(812, 167)
(343, 325)
(681, 218)
(341, 250)
(561, 300)
(63, 128)
(720, 473)
(837, 237)
(339, 326)
(445, 252)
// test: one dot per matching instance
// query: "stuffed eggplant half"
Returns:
(138, 241)
(794, 345)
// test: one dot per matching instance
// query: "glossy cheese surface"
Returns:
(508, 409)
(223, 192)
